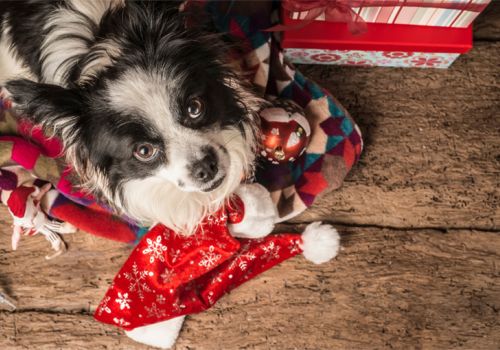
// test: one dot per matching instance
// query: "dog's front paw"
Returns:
(260, 212)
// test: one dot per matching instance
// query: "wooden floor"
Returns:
(419, 218)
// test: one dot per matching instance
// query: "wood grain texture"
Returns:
(387, 288)
(432, 145)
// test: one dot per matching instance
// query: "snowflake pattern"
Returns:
(166, 276)
(216, 279)
(123, 300)
(156, 249)
(187, 244)
(209, 259)
(177, 306)
(294, 246)
(242, 258)
(174, 254)
(121, 322)
(166, 235)
(271, 251)
(160, 299)
(210, 298)
(138, 281)
(154, 311)
(218, 219)
(103, 307)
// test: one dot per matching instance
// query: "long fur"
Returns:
(110, 74)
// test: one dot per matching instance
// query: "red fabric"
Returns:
(17, 200)
(170, 275)
(49, 146)
(334, 11)
(94, 220)
(379, 37)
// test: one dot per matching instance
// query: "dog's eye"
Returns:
(195, 108)
(145, 152)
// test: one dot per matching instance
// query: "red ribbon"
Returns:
(334, 11)
(342, 10)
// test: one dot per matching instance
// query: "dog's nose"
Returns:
(205, 169)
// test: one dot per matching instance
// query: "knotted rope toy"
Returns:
(24, 202)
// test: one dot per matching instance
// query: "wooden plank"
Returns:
(71, 283)
(432, 144)
(401, 288)
(387, 288)
(36, 330)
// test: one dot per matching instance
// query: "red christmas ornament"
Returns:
(285, 132)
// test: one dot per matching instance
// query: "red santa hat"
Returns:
(18, 200)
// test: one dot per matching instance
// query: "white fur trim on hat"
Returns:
(260, 212)
(161, 335)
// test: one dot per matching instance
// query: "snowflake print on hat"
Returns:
(123, 300)
(121, 322)
(212, 264)
(177, 306)
(160, 299)
(103, 306)
(209, 258)
(166, 276)
(242, 258)
(175, 253)
(137, 281)
(155, 312)
(294, 246)
(155, 249)
(270, 252)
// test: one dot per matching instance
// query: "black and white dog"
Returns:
(153, 119)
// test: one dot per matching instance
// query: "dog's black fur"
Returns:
(151, 37)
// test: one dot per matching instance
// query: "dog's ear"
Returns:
(57, 109)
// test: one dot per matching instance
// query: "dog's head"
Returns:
(165, 132)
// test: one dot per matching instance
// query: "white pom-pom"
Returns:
(161, 335)
(320, 243)
(260, 212)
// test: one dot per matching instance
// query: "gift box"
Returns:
(441, 13)
(388, 45)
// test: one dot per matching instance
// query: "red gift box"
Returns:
(442, 13)
(380, 45)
